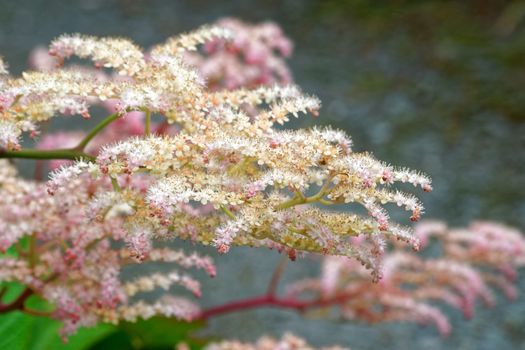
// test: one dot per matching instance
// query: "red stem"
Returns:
(273, 301)
(276, 276)
(18, 303)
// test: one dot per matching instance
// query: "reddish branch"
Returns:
(267, 300)
(270, 299)
(276, 302)
(18, 303)
(276, 276)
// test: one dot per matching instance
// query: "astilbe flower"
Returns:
(221, 178)
(225, 64)
(74, 260)
(160, 83)
(241, 164)
(255, 56)
(287, 342)
(474, 261)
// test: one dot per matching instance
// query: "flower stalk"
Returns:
(28, 153)
(98, 128)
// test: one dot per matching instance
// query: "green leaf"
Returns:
(14, 330)
(85, 338)
(19, 331)
(157, 333)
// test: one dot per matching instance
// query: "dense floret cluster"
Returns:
(217, 170)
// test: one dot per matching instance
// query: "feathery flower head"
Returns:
(475, 261)
(252, 55)
(225, 174)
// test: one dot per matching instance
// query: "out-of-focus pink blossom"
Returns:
(475, 261)
(60, 140)
(254, 56)
(287, 342)
(81, 248)
(40, 59)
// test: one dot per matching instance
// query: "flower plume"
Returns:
(475, 261)
(218, 169)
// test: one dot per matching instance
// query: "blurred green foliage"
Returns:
(472, 51)
(19, 331)
(157, 333)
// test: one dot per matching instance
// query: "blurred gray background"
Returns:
(432, 85)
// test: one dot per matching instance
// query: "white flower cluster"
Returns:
(258, 174)
(219, 170)
(3, 67)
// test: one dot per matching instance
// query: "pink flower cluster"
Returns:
(287, 342)
(223, 176)
(77, 250)
(255, 56)
(74, 257)
(474, 261)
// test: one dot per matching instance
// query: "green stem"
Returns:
(70, 153)
(115, 184)
(47, 154)
(297, 200)
(300, 198)
(108, 120)
(227, 212)
(3, 291)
